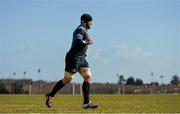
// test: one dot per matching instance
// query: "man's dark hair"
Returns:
(86, 18)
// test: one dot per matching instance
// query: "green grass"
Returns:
(107, 104)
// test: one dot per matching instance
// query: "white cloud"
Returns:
(131, 53)
(99, 56)
(121, 52)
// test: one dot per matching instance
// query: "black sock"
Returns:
(86, 90)
(56, 88)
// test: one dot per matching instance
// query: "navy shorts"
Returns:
(73, 64)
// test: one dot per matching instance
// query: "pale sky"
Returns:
(132, 37)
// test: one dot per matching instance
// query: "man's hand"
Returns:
(89, 41)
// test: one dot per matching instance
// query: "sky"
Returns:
(132, 38)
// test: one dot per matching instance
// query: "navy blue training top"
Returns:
(79, 46)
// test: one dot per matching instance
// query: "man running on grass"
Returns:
(75, 62)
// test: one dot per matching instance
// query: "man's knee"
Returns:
(67, 77)
(66, 80)
(86, 74)
(87, 78)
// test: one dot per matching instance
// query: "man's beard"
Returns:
(88, 26)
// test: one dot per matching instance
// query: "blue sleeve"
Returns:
(80, 37)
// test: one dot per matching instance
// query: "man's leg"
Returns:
(59, 85)
(86, 73)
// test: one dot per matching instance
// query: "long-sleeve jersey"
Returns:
(79, 46)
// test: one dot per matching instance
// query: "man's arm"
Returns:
(89, 41)
(80, 34)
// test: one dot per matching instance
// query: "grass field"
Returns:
(107, 104)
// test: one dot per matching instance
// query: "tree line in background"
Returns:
(129, 85)
(139, 82)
